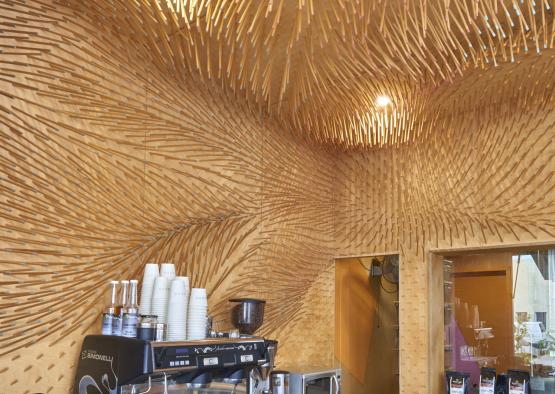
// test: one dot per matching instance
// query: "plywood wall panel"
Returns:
(483, 176)
(113, 153)
(107, 163)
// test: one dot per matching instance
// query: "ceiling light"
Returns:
(383, 101)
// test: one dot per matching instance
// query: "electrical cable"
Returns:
(389, 291)
(378, 309)
(388, 261)
(516, 276)
(363, 266)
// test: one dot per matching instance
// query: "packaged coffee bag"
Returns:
(457, 382)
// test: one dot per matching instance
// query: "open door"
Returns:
(367, 324)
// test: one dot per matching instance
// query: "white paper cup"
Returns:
(177, 328)
(197, 292)
(184, 279)
(147, 288)
(196, 316)
(195, 305)
(151, 269)
(177, 306)
(179, 287)
(159, 302)
(196, 323)
(168, 270)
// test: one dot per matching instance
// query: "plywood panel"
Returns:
(482, 177)
(129, 136)
(107, 163)
(318, 67)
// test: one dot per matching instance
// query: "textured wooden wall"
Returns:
(108, 162)
(484, 175)
(111, 157)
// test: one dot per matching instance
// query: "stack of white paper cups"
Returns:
(168, 270)
(147, 288)
(177, 309)
(197, 316)
(160, 298)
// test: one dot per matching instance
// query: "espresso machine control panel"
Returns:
(206, 354)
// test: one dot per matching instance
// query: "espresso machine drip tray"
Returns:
(159, 387)
(117, 365)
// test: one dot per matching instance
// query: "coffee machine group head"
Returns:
(259, 377)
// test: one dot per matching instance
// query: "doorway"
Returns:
(499, 313)
(367, 323)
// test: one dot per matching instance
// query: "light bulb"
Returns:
(383, 101)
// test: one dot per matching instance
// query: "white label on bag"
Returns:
(486, 390)
(487, 385)
(517, 386)
(456, 386)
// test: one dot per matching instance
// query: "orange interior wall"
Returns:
(365, 319)
(354, 317)
(485, 280)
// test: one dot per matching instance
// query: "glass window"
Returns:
(319, 386)
(500, 313)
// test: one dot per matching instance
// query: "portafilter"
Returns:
(259, 377)
(271, 350)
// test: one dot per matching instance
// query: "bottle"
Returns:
(118, 316)
(124, 297)
(110, 312)
(130, 314)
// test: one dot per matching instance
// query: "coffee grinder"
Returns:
(247, 316)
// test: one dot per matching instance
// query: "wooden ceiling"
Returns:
(317, 66)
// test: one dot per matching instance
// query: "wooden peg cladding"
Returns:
(317, 68)
(481, 177)
(107, 162)
(242, 141)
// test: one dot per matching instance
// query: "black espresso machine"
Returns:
(118, 365)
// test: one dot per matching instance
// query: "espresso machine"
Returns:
(118, 365)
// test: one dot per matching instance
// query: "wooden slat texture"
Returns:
(240, 140)
(482, 177)
(317, 67)
(107, 163)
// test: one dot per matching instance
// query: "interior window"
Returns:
(500, 313)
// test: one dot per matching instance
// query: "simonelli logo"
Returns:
(96, 356)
